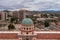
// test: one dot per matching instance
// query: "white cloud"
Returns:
(43, 4)
(31, 4)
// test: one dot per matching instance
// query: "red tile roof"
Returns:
(8, 36)
(48, 36)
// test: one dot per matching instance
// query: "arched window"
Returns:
(27, 28)
(26, 32)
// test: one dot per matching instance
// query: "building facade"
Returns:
(27, 32)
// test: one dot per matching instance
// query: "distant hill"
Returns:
(34, 12)
(47, 11)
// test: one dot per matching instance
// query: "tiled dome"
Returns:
(27, 22)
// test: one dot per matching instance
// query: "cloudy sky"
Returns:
(37, 5)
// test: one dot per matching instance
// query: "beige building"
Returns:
(2, 16)
(5, 15)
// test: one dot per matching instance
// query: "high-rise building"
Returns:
(21, 14)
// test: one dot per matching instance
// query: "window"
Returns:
(27, 28)
(26, 32)
(7, 19)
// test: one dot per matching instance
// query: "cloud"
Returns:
(30, 4)
(43, 5)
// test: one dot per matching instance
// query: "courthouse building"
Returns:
(27, 32)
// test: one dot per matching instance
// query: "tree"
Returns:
(11, 26)
(12, 20)
(46, 23)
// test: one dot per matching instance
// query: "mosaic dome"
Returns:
(27, 22)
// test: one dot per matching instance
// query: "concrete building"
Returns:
(21, 14)
(5, 15)
(15, 14)
(1, 18)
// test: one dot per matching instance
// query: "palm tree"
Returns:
(12, 20)
(11, 26)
